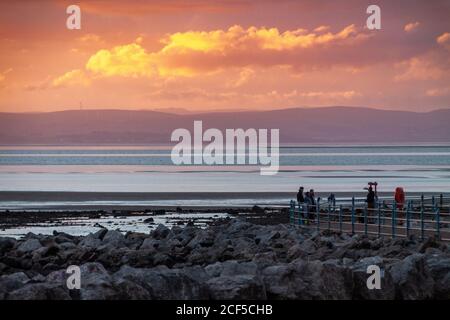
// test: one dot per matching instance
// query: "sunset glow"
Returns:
(223, 55)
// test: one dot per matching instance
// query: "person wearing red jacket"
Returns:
(399, 197)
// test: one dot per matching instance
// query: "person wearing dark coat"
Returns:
(370, 199)
(300, 196)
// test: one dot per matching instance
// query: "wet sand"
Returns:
(130, 200)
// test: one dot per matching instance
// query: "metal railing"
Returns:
(420, 216)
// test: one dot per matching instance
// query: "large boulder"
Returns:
(308, 280)
(40, 291)
(360, 276)
(6, 244)
(90, 241)
(29, 246)
(160, 232)
(412, 279)
(164, 283)
(237, 287)
(114, 238)
(439, 269)
(230, 268)
(235, 280)
(96, 283)
(12, 282)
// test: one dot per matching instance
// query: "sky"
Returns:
(206, 55)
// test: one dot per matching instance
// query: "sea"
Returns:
(124, 169)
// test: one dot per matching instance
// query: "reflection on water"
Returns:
(136, 223)
(148, 169)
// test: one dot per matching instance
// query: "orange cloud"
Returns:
(333, 94)
(438, 92)
(411, 26)
(253, 38)
(443, 38)
(129, 60)
(419, 68)
(72, 78)
(202, 52)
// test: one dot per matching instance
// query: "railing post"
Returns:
(393, 218)
(329, 222)
(305, 212)
(340, 218)
(292, 212)
(353, 215)
(300, 214)
(365, 220)
(441, 200)
(438, 230)
(379, 218)
(408, 222)
(422, 226)
(318, 213)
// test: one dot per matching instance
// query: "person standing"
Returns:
(370, 199)
(399, 197)
(300, 196)
(312, 196)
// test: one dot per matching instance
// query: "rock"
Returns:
(164, 283)
(100, 234)
(114, 238)
(96, 283)
(43, 252)
(265, 259)
(430, 242)
(149, 220)
(40, 291)
(237, 225)
(29, 245)
(64, 246)
(128, 290)
(360, 277)
(295, 252)
(235, 280)
(149, 244)
(90, 241)
(257, 209)
(236, 287)
(142, 258)
(439, 270)
(230, 268)
(12, 282)
(411, 278)
(6, 244)
(161, 232)
(234, 259)
(203, 238)
(60, 237)
(308, 280)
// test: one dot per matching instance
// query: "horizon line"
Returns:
(184, 111)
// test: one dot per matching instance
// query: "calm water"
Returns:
(149, 169)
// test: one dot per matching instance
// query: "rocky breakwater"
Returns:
(234, 260)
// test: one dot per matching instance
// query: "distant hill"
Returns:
(298, 125)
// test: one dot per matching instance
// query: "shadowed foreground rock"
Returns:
(234, 260)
